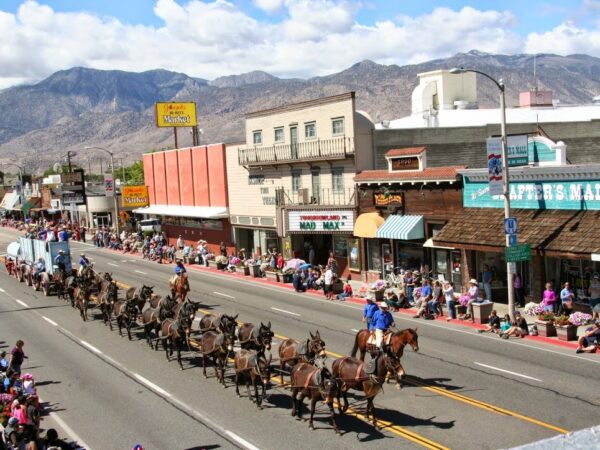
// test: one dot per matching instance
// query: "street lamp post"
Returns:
(112, 168)
(505, 179)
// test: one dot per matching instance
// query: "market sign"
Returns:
(519, 252)
(387, 198)
(573, 195)
(176, 114)
(410, 163)
(320, 221)
(134, 196)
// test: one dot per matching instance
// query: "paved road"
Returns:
(464, 390)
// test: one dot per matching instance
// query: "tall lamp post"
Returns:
(505, 191)
(112, 168)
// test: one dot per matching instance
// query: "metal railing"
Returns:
(324, 196)
(319, 149)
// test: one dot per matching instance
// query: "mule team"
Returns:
(169, 320)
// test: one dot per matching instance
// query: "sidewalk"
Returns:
(501, 309)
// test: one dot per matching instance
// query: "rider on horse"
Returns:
(383, 320)
(180, 271)
(59, 262)
(83, 263)
(40, 267)
(368, 313)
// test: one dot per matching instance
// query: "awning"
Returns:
(9, 200)
(366, 225)
(402, 227)
(200, 212)
(429, 244)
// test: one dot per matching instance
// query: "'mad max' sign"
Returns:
(572, 195)
(323, 221)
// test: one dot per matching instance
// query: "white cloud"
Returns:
(212, 38)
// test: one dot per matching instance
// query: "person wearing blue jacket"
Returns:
(368, 313)
(383, 320)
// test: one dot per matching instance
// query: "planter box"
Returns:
(272, 276)
(221, 266)
(481, 311)
(247, 271)
(566, 332)
(255, 271)
(545, 329)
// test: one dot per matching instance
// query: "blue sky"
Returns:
(289, 38)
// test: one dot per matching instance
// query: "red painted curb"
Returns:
(356, 300)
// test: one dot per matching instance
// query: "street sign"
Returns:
(512, 267)
(520, 252)
(510, 225)
(512, 239)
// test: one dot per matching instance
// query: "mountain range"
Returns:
(114, 109)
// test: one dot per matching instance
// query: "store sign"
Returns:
(387, 198)
(520, 252)
(410, 163)
(494, 162)
(176, 114)
(574, 195)
(323, 221)
(134, 196)
(73, 197)
(73, 187)
(71, 177)
(517, 150)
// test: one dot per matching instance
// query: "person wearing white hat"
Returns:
(382, 320)
(473, 296)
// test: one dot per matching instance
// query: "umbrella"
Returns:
(305, 266)
(294, 263)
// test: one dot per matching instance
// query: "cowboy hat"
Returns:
(473, 281)
(383, 305)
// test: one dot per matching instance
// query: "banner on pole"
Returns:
(109, 186)
(495, 169)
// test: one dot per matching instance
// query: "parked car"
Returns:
(152, 225)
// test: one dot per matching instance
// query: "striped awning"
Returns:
(405, 228)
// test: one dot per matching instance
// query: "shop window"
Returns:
(374, 256)
(354, 252)
(409, 257)
(340, 247)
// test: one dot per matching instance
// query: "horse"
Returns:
(153, 316)
(173, 331)
(126, 313)
(102, 281)
(217, 346)
(181, 286)
(252, 367)
(291, 352)
(397, 341)
(82, 298)
(252, 337)
(70, 284)
(350, 373)
(221, 322)
(317, 384)
(105, 301)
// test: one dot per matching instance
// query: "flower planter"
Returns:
(482, 311)
(272, 276)
(566, 332)
(255, 271)
(545, 328)
(247, 271)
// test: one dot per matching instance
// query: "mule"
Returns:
(82, 299)
(216, 346)
(175, 331)
(350, 373)
(291, 352)
(397, 341)
(315, 383)
(252, 367)
(145, 292)
(218, 322)
(126, 313)
(252, 337)
(105, 301)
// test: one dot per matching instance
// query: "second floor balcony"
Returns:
(320, 197)
(316, 150)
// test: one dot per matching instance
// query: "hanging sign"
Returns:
(109, 186)
(495, 170)
(174, 114)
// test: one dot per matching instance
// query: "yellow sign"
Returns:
(176, 114)
(387, 199)
(134, 196)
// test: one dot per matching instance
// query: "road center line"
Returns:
(140, 272)
(50, 321)
(91, 347)
(123, 260)
(2, 290)
(223, 295)
(151, 385)
(111, 264)
(506, 371)
(22, 303)
(284, 311)
(354, 329)
(241, 441)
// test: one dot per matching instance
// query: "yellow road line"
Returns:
(461, 398)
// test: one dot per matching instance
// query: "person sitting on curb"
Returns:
(590, 341)
(518, 327)
(347, 292)
(392, 300)
(493, 325)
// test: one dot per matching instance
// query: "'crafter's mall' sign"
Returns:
(320, 221)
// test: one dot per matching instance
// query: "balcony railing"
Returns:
(330, 197)
(319, 149)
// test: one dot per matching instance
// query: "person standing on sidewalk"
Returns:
(519, 290)
(567, 296)
(595, 296)
(449, 295)
(487, 278)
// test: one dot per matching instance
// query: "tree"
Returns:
(133, 174)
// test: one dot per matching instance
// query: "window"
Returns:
(310, 130)
(337, 179)
(296, 180)
(257, 137)
(337, 126)
(279, 136)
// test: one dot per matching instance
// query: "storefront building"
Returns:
(557, 207)
(401, 209)
(291, 184)
(187, 190)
